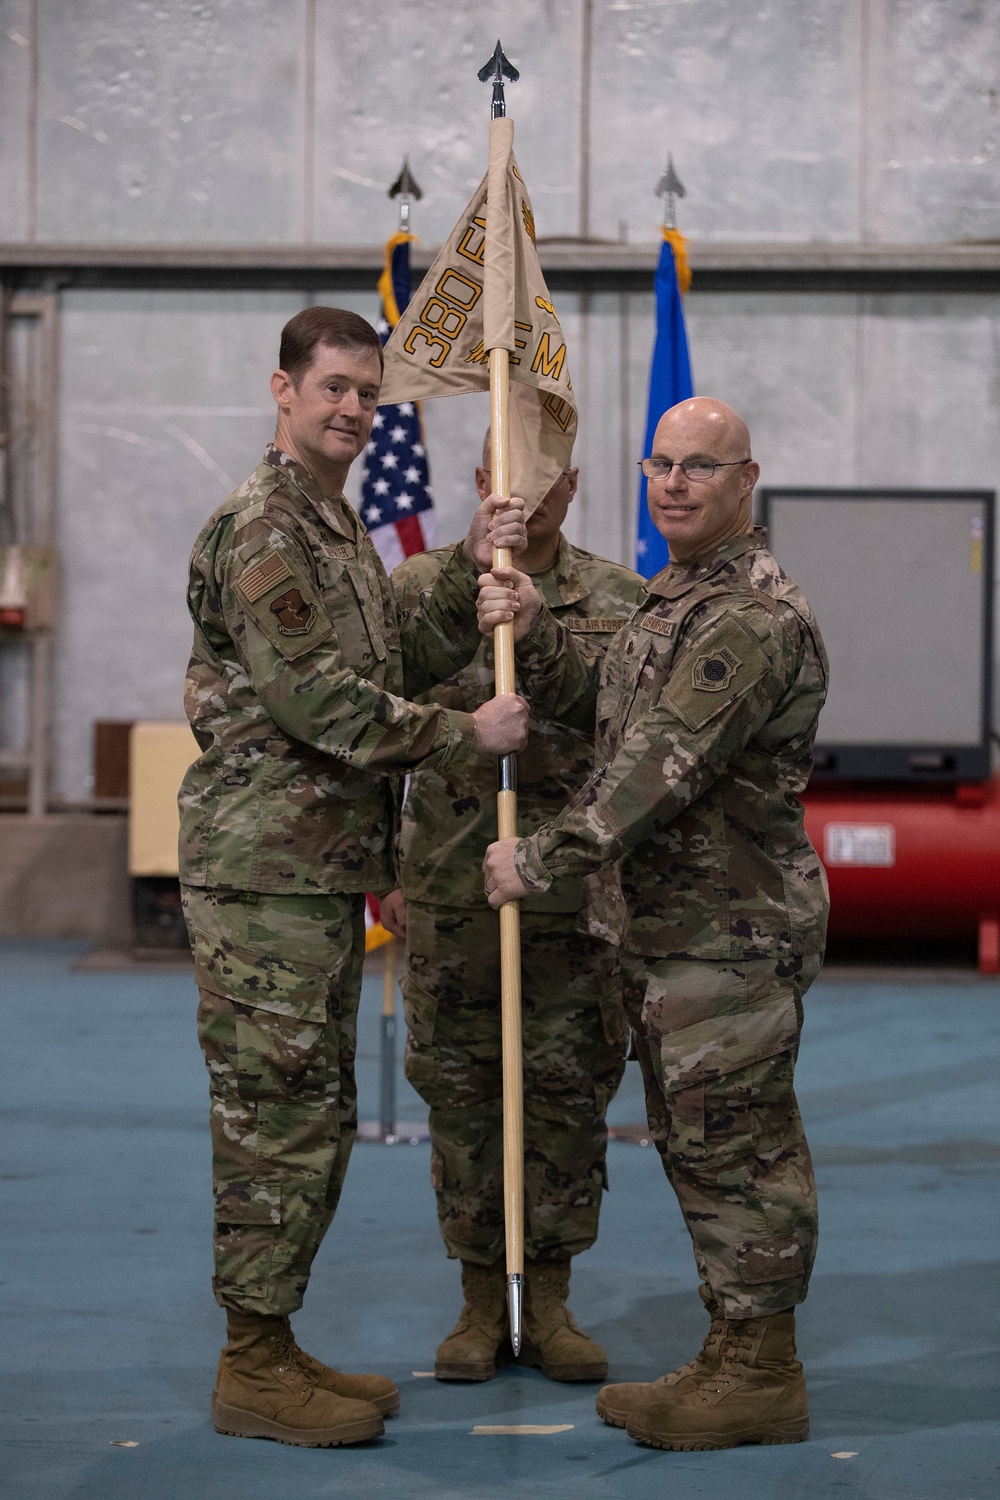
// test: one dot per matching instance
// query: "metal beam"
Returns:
(569, 265)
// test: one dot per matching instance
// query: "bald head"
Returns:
(712, 423)
(695, 515)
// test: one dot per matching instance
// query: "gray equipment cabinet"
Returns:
(901, 582)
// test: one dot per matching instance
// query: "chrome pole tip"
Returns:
(515, 1303)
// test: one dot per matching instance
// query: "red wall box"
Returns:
(909, 862)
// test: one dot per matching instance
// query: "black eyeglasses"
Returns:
(692, 468)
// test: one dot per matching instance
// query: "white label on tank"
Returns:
(859, 844)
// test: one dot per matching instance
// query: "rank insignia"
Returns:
(293, 614)
(715, 670)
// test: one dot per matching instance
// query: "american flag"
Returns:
(397, 505)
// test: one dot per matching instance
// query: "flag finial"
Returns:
(404, 188)
(495, 71)
(670, 188)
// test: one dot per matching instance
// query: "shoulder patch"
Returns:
(715, 671)
(597, 624)
(293, 614)
(282, 601)
(263, 576)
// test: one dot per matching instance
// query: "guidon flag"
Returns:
(486, 291)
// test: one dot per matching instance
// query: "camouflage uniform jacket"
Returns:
(706, 714)
(294, 695)
(450, 814)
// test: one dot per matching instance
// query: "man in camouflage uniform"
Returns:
(287, 818)
(574, 1024)
(706, 713)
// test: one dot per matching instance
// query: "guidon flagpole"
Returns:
(495, 71)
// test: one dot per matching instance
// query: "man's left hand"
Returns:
(496, 523)
(501, 880)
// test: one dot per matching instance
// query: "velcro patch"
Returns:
(293, 614)
(658, 626)
(591, 623)
(724, 665)
(263, 576)
(714, 670)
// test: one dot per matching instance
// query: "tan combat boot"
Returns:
(378, 1389)
(756, 1394)
(553, 1341)
(617, 1404)
(262, 1391)
(470, 1350)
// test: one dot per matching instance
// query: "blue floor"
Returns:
(111, 1335)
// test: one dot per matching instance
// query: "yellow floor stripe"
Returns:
(526, 1429)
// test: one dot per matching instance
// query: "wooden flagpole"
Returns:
(510, 920)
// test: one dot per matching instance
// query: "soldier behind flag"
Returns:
(574, 1026)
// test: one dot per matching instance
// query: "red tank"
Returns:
(920, 862)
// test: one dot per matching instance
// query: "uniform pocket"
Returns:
(248, 1203)
(420, 1008)
(348, 606)
(727, 1083)
(265, 981)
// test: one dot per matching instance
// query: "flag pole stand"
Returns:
(387, 1048)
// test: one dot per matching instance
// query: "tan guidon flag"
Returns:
(486, 291)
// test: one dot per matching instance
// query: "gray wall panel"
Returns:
(165, 407)
(171, 122)
(16, 120)
(758, 103)
(395, 80)
(933, 107)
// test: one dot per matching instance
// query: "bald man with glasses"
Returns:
(692, 829)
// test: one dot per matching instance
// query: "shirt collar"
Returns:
(566, 574)
(679, 578)
(336, 512)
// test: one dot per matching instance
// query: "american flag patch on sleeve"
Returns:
(262, 576)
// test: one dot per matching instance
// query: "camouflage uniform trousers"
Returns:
(279, 979)
(717, 1043)
(574, 1042)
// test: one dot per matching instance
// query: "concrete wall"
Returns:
(284, 120)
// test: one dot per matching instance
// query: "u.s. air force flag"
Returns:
(486, 291)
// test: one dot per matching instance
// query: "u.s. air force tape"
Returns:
(658, 626)
(591, 623)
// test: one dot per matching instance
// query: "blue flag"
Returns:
(397, 503)
(669, 382)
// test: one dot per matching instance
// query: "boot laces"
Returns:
(286, 1354)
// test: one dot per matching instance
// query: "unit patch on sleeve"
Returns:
(262, 576)
(293, 614)
(721, 669)
(713, 671)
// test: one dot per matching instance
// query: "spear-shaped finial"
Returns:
(670, 188)
(404, 188)
(495, 71)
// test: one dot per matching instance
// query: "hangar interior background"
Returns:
(177, 179)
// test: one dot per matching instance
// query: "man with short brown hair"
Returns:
(294, 692)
